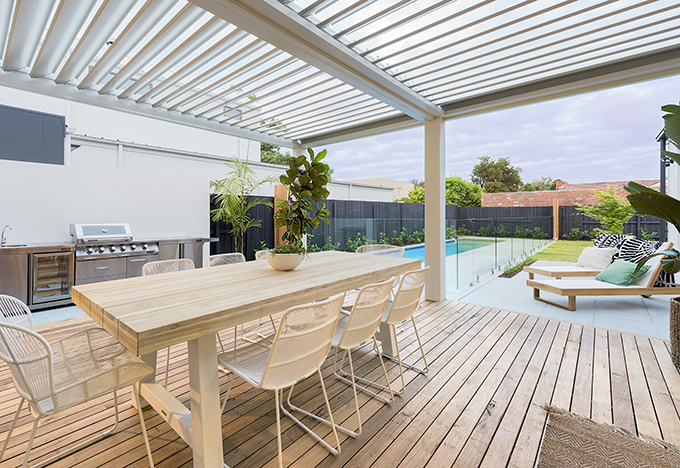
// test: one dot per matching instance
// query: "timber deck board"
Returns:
(481, 404)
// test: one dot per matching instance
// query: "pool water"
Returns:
(452, 247)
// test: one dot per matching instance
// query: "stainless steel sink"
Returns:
(12, 245)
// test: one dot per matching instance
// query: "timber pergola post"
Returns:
(435, 209)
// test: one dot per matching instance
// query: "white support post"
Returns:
(297, 151)
(120, 157)
(435, 209)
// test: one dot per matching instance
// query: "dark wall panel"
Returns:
(31, 136)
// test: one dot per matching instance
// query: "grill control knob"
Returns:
(90, 250)
(102, 249)
(145, 246)
(112, 248)
(123, 248)
(133, 247)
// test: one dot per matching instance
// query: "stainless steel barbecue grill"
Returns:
(106, 252)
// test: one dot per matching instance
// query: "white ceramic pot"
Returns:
(284, 262)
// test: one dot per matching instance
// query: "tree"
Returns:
(234, 196)
(612, 212)
(544, 183)
(272, 154)
(528, 187)
(496, 176)
(458, 192)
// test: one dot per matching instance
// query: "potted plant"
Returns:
(301, 213)
(650, 202)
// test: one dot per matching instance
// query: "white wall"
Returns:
(350, 191)
(41, 200)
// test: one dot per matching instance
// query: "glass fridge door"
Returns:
(52, 276)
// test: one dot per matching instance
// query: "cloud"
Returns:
(603, 136)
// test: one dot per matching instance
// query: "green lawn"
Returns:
(562, 251)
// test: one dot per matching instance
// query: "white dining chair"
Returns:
(53, 377)
(400, 309)
(298, 350)
(15, 311)
(352, 331)
(168, 266)
(381, 249)
(261, 255)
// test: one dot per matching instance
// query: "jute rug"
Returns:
(573, 441)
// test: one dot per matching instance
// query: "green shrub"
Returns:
(383, 238)
(521, 232)
(463, 230)
(574, 235)
(483, 232)
(644, 235)
(450, 233)
(353, 244)
(500, 231)
(538, 234)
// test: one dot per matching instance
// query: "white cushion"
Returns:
(596, 258)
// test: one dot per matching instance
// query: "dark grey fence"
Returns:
(349, 219)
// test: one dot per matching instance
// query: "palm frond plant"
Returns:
(650, 202)
(306, 180)
(235, 200)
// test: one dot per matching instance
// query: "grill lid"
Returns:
(91, 233)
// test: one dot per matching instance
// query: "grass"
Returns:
(560, 251)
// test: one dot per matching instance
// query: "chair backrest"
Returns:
(407, 296)
(167, 266)
(14, 311)
(29, 357)
(381, 249)
(366, 314)
(301, 343)
(224, 259)
(261, 255)
(648, 279)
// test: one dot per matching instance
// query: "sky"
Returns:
(602, 136)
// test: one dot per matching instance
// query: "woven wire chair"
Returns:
(381, 249)
(53, 377)
(167, 266)
(261, 254)
(15, 311)
(404, 305)
(352, 331)
(224, 259)
(297, 351)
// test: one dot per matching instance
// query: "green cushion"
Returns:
(621, 273)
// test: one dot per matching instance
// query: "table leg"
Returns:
(206, 423)
(149, 360)
(387, 339)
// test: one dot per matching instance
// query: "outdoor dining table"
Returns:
(154, 312)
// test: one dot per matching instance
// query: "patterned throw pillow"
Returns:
(634, 250)
(610, 240)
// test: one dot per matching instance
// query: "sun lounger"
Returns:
(561, 271)
(571, 288)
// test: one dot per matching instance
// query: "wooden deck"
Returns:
(481, 404)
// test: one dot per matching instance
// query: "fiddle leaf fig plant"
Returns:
(650, 202)
(306, 180)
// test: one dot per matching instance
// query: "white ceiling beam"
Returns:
(6, 9)
(30, 19)
(68, 20)
(283, 28)
(617, 73)
(46, 87)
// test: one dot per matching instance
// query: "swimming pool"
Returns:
(452, 247)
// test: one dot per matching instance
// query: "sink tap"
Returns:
(3, 239)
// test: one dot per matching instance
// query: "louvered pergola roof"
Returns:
(306, 72)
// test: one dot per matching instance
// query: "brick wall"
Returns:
(541, 198)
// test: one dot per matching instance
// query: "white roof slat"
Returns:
(371, 19)
(348, 11)
(234, 86)
(197, 62)
(105, 22)
(561, 51)
(133, 33)
(282, 101)
(166, 36)
(337, 125)
(211, 28)
(224, 68)
(316, 7)
(6, 9)
(28, 26)
(68, 20)
(250, 91)
(260, 98)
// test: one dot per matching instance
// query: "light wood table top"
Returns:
(150, 313)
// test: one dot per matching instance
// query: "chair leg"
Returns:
(11, 428)
(331, 423)
(80, 446)
(135, 393)
(226, 396)
(278, 427)
(342, 375)
(30, 445)
(167, 368)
